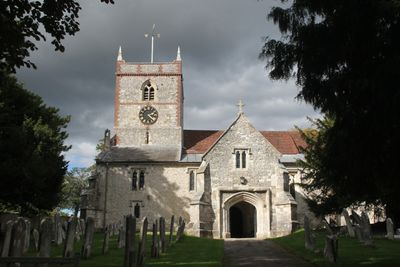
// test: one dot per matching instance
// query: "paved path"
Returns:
(258, 253)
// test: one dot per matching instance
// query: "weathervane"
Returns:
(153, 34)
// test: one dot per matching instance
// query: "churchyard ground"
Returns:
(191, 251)
(384, 253)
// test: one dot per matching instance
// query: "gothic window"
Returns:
(191, 181)
(237, 159)
(241, 158)
(147, 137)
(141, 180)
(148, 89)
(134, 181)
(136, 211)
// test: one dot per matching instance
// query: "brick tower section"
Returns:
(131, 79)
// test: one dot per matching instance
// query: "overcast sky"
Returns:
(220, 41)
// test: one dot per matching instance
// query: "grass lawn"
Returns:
(351, 252)
(190, 251)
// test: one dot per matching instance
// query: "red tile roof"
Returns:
(199, 141)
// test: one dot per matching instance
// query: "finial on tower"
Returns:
(178, 54)
(240, 105)
(119, 54)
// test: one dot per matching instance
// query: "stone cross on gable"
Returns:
(240, 105)
(153, 34)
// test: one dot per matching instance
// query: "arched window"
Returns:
(243, 159)
(134, 181)
(149, 91)
(191, 181)
(136, 211)
(237, 159)
(141, 180)
(147, 137)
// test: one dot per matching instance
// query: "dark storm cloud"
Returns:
(220, 42)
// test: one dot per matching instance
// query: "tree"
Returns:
(344, 56)
(23, 22)
(32, 136)
(75, 181)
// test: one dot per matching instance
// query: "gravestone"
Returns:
(162, 235)
(349, 226)
(70, 238)
(5, 251)
(121, 237)
(171, 230)
(57, 230)
(18, 238)
(331, 248)
(106, 239)
(35, 239)
(366, 229)
(181, 229)
(154, 244)
(309, 237)
(129, 259)
(82, 228)
(389, 229)
(27, 236)
(356, 218)
(358, 232)
(142, 242)
(88, 238)
(46, 232)
(327, 227)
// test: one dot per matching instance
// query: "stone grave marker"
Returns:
(331, 248)
(309, 237)
(171, 229)
(162, 235)
(106, 239)
(18, 238)
(46, 233)
(82, 228)
(35, 239)
(327, 227)
(358, 231)
(129, 259)
(5, 252)
(142, 242)
(349, 226)
(356, 218)
(121, 237)
(27, 236)
(70, 238)
(88, 238)
(181, 229)
(154, 244)
(366, 229)
(389, 229)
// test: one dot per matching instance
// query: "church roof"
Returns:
(286, 142)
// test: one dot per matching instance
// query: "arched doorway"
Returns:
(242, 220)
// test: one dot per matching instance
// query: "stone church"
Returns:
(234, 182)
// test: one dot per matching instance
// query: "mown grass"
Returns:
(385, 252)
(190, 251)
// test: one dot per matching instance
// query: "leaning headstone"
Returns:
(18, 238)
(162, 235)
(349, 226)
(389, 229)
(181, 229)
(129, 259)
(88, 239)
(121, 237)
(331, 248)
(171, 230)
(46, 231)
(309, 238)
(5, 251)
(154, 243)
(35, 239)
(70, 238)
(27, 236)
(142, 242)
(356, 218)
(366, 229)
(106, 239)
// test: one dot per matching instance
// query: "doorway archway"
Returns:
(242, 220)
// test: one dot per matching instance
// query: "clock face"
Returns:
(148, 115)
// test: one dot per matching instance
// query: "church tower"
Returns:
(149, 104)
